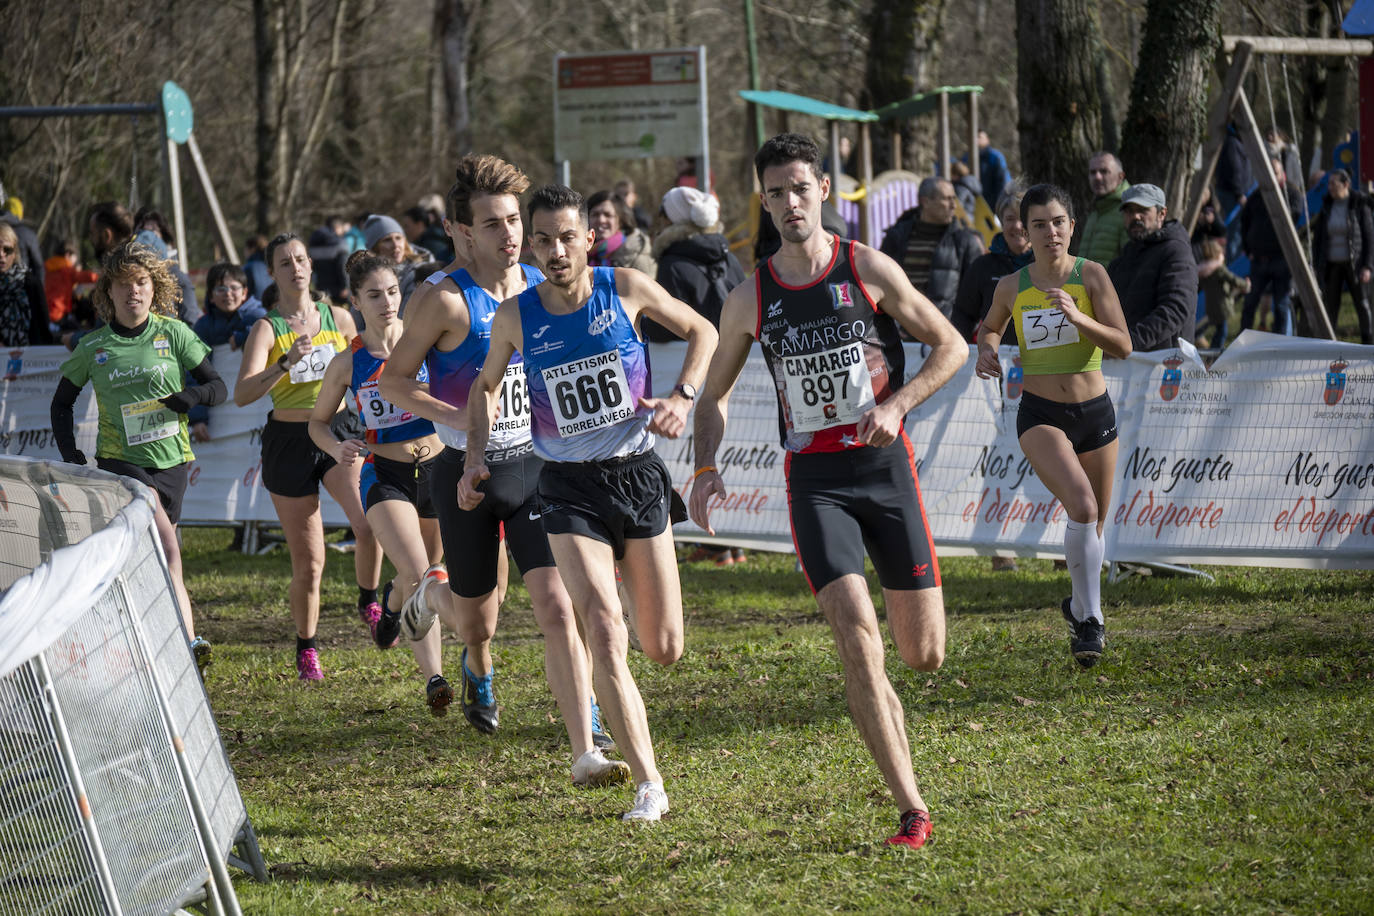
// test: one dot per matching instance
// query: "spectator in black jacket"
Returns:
(695, 264)
(1268, 270)
(932, 247)
(1343, 250)
(23, 307)
(1009, 252)
(1234, 182)
(1155, 275)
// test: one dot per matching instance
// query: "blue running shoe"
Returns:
(600, 737)
(479, 700)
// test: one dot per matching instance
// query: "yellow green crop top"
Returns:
(300, 387)
(1049, 343)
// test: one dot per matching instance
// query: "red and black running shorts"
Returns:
(842, 503)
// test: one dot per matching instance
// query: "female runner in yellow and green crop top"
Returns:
(1067, 314)
(286, 355)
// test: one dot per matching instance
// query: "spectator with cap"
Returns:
(1155, 275)
(64, 275)
(384, 236)
(695, 264)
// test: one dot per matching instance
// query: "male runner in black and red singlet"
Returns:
(826, 312)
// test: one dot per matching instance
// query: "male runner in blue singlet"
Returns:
(604, 493)
(448, 331)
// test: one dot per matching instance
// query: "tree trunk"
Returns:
(453, 23)
(267, 29)
(1168, 113)
(1060, 119)
(903, 56)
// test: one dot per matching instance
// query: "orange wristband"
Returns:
(703, 470)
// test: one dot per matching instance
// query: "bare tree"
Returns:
(1168, 112)
(454, 23)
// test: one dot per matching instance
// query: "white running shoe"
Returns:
(651, 803)
(593, 770)
(416, 615)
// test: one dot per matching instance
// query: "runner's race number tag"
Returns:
(377, 412)
(311, 366)
(827, 389)
(589, 394)
(1047, 328)
(148, 421)
(515, 400)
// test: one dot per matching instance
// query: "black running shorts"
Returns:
(408, 481)
(170, 483)
(292, 464)
(1089, 425)
(611, 500)
(843, 502)
(472, 540)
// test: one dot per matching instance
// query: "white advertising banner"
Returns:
(224, 483)
(1265, 458)
(630, 104)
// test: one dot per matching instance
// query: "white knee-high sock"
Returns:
(1083, 552)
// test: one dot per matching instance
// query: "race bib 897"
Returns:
(826, 389)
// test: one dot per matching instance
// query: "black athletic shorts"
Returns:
(843, 502)
(1089, 425)
(408, 481)
(170, 483)
(610, 500)
(292, 464)
(472, 540)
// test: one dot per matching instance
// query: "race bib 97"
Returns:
(826, 389)
(589, 394)
(148, 421)
(377, 412)
(312, 365)
(1047, 328)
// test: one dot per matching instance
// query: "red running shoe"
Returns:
(914, 831)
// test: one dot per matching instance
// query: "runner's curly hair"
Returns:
(120, 264)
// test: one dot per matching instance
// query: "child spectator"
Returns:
(63, 276)
(1220, 290)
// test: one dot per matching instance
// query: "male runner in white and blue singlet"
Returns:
(604, 493)
(448, 331)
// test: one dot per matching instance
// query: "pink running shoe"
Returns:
(370, 615)
(308, 667)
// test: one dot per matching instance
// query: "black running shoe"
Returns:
(1086, 637)
(388, 631)
(479, 700)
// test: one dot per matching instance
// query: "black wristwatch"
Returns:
(687, 391)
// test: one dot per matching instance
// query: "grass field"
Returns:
(1218, 760)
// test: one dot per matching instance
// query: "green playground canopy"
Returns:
(788, 101)
(918, 104)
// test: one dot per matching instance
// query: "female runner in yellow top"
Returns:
(1067, 315)
(286, 355)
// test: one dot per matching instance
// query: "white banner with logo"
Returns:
(1266, 458)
